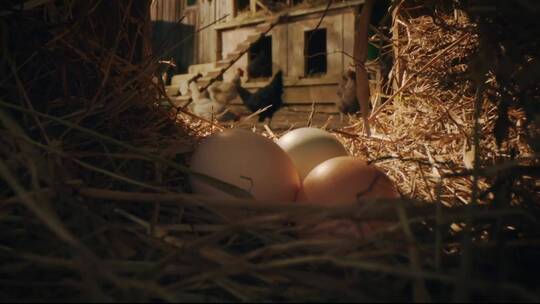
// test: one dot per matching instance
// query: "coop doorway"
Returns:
(315, 52)
(260, 58)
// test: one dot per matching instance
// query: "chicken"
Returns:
(203, 106)
(183, 89)
(224, 92)
(347, 103)
(184, 85)
(270, 95)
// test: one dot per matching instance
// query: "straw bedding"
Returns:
(95, 204)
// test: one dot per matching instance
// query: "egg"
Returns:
(345, 181)
(308, 147)
(248, 161)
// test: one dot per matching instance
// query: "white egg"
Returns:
(308, 147)
(247, 160)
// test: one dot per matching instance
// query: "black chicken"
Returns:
(269, 95)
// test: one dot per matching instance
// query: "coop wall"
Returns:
(167, 31)
(288, 40)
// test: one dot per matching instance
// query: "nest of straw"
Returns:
(95, 204)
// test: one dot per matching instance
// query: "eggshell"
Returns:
(247, 160)
(308, 147)
(344, 181)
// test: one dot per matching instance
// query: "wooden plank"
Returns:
(296, 49)
(210, 44)
(153, 10)
(179, 78)
(231, 39)
(263, 27)
(316, 12)
(213, 73)
(296, 38)
(242, 47)
(232, 56)
(200, 68)
(296, 116)
(279, 48)
(348, 39)
(166, 10)
(213, 33)
(223, 8)
(309, 94)
(253, 38)
(160, 11)
(223, 63)
(233, 8)
(260, 4)
(178, 10)
(294, 82)
(334, 38)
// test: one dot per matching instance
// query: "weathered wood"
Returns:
(201, 68)
(334, 37)
(234, 8)
(296, 116)
(296, 41)
(336, 8)
(169, 10)
(303, 95)
(223, 63)
(360, 55)
(264, 7)
(287, 47)
(297, 82)
(279, 48)
(295, 55)
(310, 94)
(348, 40)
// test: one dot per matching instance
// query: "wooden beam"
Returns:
(234, 8)
(360, 55)
(253, 6)
(264, 7)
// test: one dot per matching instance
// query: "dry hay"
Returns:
(425, 132)
(94, 203)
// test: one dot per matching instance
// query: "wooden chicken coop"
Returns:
(313, 57)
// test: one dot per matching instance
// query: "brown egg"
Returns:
(344, 181)
(249, 161)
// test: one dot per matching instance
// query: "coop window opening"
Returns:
(242, 5)
(191, 2)
(315, 52)
(260, 58)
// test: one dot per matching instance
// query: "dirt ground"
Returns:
(296, 116)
